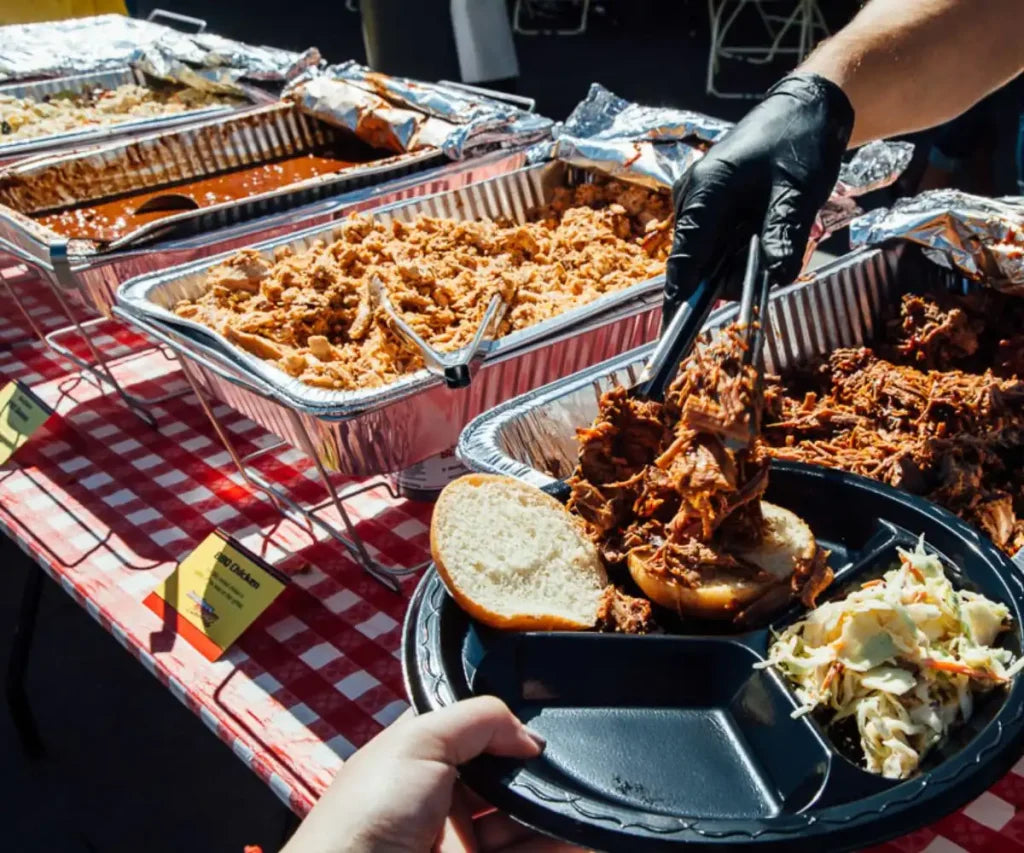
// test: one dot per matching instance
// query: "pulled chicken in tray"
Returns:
(312, 314)
(936, 409)
(666, 476)
(60, 112)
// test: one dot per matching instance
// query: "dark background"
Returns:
(652, 51)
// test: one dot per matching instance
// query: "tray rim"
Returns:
(994, 758)
(133, 296)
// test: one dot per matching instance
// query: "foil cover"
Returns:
(982, 238)
(651, 146)
(104, 42)
(407, 115)
(654, 146)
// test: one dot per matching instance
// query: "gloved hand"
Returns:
(771, 173)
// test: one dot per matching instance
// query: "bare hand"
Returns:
(399, 793)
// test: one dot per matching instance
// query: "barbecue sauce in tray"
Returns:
(113, 218)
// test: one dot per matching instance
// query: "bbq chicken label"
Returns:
(216, 592)
(21, 414)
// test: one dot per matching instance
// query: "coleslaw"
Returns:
(903, 655)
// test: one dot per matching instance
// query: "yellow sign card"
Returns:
(218, 591)
(21, 414)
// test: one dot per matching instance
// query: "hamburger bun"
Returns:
(723, 594)
(513, 557)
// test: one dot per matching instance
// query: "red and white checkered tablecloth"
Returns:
(108, 506)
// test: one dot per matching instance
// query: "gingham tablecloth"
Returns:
(108, 506)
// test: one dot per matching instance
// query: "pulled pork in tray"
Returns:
(311, 313)
(662, 477)
(936, 408)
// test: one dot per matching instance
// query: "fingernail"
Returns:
(536, 738)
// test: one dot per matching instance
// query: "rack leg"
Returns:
(357, 546)
(291, 509)
(100, 366)
(225, 439)
(17, 666)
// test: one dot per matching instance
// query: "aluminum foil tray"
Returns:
(395, 431)
(510, 195)
(52, 182)
(101, 277)
(533, 437)
(94, 280)
(14, 150)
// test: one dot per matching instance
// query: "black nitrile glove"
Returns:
(771, 173)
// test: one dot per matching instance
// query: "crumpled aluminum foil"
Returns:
(407, 114)
(654, 146)
(983, 238)
(651, 146)
(872, 167)
(604, 115)
(105, 42)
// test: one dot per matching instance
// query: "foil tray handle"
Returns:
(207, 356)
(522, 101)
(982, 238)
(177, 17)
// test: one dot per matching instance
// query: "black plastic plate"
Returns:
(660, 741)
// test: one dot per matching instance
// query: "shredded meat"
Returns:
(936, 334)
(684, 476)
(311, 312)
(624, 614)
(936, 409)
(61, 112)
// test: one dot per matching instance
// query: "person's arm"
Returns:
(900, 65)
(907, 65)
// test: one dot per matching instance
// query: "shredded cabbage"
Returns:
(902, 655)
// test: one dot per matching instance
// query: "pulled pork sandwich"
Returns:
(673, 490)
(936, 409)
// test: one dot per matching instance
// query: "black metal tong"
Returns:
(679, 336)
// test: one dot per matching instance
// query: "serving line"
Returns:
(87, 273)
(106, 507)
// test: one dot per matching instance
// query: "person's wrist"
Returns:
(331, 834)
(815, 89)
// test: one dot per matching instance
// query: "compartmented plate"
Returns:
(660, 741)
